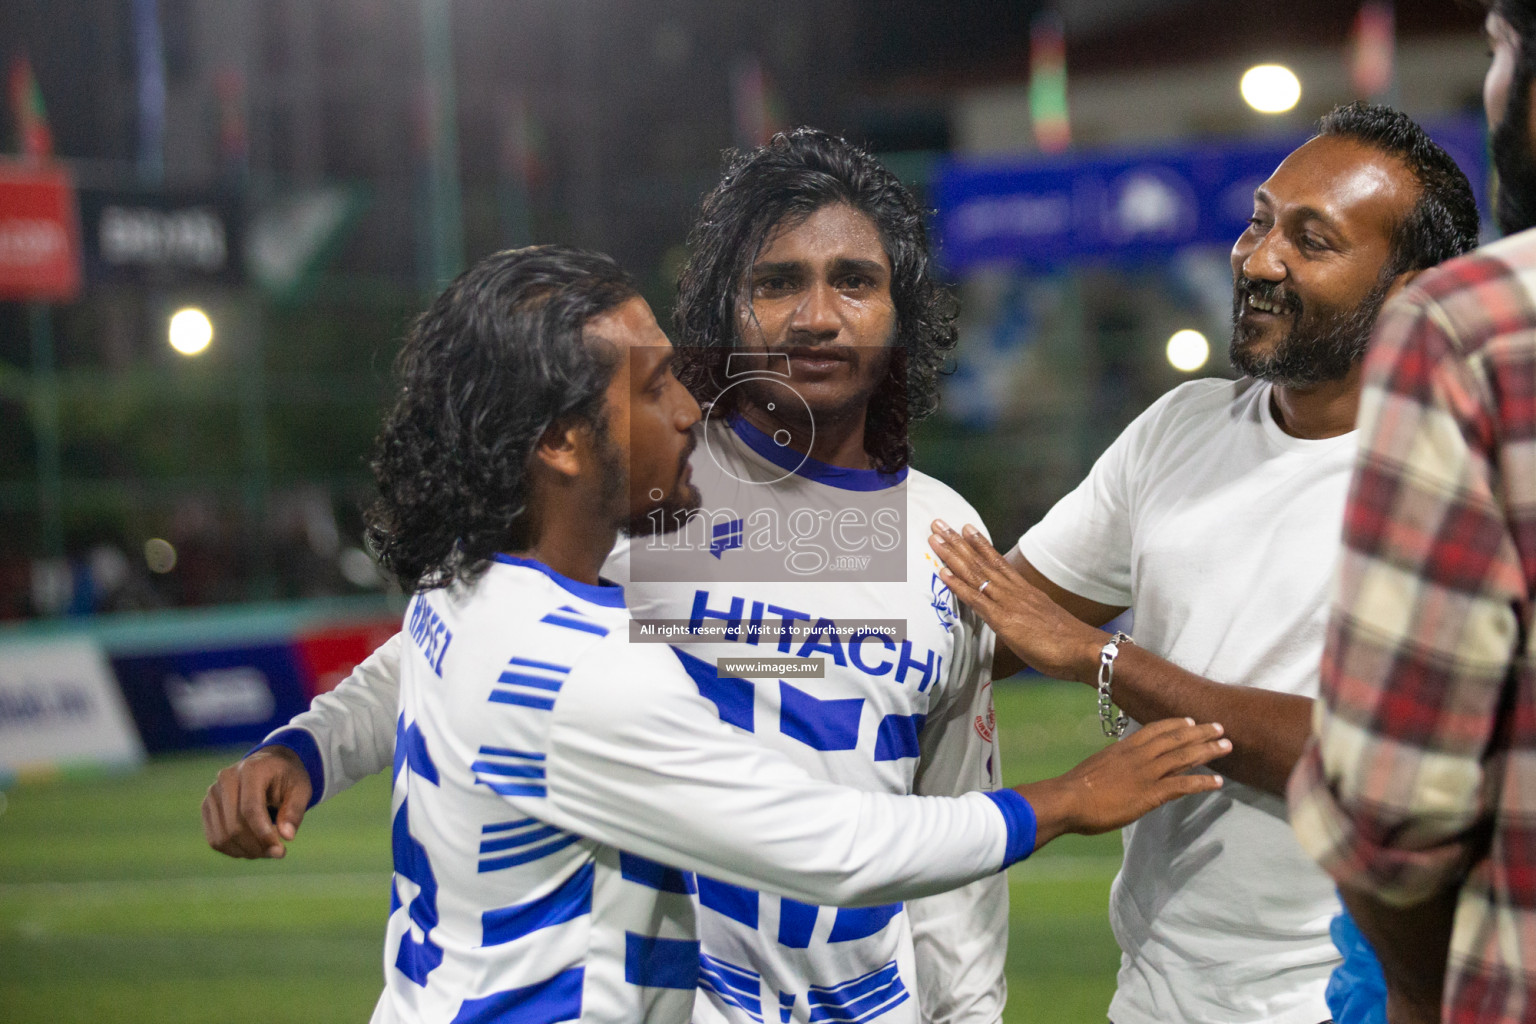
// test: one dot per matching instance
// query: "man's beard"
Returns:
(666, 515)
(1324, 343)
(1515, 208)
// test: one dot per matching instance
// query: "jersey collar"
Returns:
(609, 595)
(813, 469)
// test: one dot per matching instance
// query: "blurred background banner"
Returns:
(39, 233)
(102, 691)
(153, 237)
(60, 709)
(204, 698)
(328, 654)
(293, 237)
(1137, 205)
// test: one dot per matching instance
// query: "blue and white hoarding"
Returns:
(1042, 213)
(60, 709)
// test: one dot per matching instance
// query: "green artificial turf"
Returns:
(112, 908)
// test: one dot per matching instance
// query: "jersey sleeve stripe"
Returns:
(515, 771)
(303, 744)
(522, 700)
(506, 826)
(796, 923)
(521, 839)
(572, 621)
(548, 665)
(733, 698)
(527, 679)
(653, 962)
(744, 993)
(508, 752)
(738, 978)
(570, 900)
(655, 876)
(897, 737)
(859, 1000)
(527, 856)
(1019, 816)
(736, 902)
(555, 999)
(862, 922)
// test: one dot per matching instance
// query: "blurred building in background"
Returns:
(307, 172)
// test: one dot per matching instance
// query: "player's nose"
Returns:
(817, 313)
(687, 413)
(1263, 262)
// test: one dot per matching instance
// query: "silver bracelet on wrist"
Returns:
(1110, 721)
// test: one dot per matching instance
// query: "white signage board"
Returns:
(60, 707)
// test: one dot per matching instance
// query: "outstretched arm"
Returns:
(648, 767)
(1267, 729)
(256, 805)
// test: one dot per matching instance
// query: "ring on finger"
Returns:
(984, 585)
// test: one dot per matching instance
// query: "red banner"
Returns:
(39, 234)
(329, 655)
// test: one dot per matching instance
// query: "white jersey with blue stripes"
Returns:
(906, 715)
(494, 908)
(545, 770)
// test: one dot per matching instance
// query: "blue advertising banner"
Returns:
(211, 697)
(1042, 213)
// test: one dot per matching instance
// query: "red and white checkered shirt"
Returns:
(1421, 774)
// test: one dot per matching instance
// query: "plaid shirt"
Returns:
(1421, 774)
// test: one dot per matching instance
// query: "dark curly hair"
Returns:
(784, 182)
(1443, 223)
(499, 357)
(1509, 141)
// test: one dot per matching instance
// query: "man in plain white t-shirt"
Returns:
(1216, 517)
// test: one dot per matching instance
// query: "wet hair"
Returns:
(781, 184)
(1510, 139)
(1443, 222)
(498, 358)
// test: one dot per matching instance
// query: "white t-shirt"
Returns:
(545, 771)
(1220, 531)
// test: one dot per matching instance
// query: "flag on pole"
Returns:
(521, 168)
(234, 142)
(1048, 82)
(28, 113)
(521, 155)
(1372, 53)
(756, 107)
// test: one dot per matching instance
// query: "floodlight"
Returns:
(1188, 350)
(1271, 88)
(191, 331)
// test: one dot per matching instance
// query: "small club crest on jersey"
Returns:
(942, 602)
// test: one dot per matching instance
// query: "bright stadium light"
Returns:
(1188, 350)
(1270, 88)
(191, 331)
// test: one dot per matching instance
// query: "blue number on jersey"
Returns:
(415, 960)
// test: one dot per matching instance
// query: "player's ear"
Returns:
(563, 446)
